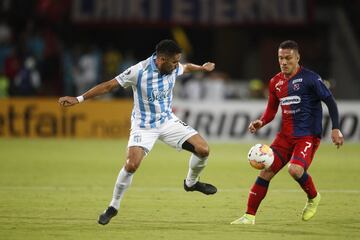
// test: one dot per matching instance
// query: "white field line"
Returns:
(163, 189)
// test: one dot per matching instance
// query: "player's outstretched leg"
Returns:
(256, 194)
(191, 183)
(122, 183)
(311, 207)
(245, 219)
(198, 160)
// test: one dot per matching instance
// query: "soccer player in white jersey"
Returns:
(152, 82)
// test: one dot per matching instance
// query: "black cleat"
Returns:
(107, 215)
(205, 188)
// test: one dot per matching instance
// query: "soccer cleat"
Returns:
(205, 188)
(245, 219)
(109, 213)
(310, 207)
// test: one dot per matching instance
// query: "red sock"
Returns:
(256, 195)
(307, 185)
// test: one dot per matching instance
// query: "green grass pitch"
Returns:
(55, 189)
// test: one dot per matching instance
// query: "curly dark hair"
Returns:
(167, 47)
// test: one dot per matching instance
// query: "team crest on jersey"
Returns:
(137, 138)
(296, 87)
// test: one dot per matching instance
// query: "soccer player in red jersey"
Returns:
(299, 92)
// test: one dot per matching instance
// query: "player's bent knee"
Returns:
(202, 151)
(295, 171)
(132, 166)
(266, 174)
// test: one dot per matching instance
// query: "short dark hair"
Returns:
(167, 47)
(289, 44)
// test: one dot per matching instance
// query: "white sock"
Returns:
(122, 183)
(196, 165)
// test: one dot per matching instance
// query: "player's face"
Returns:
(288, 60)
(167, 64)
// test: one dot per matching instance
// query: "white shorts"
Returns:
(174, 132)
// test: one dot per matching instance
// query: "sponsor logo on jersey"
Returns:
(290, 100)
(277, 85)
(157, 95)
(292, 111)
(297, 80)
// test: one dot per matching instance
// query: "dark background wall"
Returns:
(243, 41)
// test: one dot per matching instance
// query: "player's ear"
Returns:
(160, 59)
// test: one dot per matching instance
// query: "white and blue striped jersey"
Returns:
(153, 92)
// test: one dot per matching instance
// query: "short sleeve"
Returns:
(320, 88)
(129, 76)
(180, 70)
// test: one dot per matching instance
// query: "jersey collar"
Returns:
(153, 63)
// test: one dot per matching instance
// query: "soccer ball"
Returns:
(261, 156)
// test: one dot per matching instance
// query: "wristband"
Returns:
(80, 99)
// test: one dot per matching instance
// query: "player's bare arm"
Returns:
(337, 137)
(98, 90)
(255, 125)
(206, 67)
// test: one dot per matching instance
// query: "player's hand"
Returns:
(208, 66)
(255, 125)
(68, 101)
(337, 137)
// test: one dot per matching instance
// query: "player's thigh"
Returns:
(175, 132)
(282, 149)
(304, 151)
(144, 138)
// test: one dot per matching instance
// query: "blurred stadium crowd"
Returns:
(45, 52)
